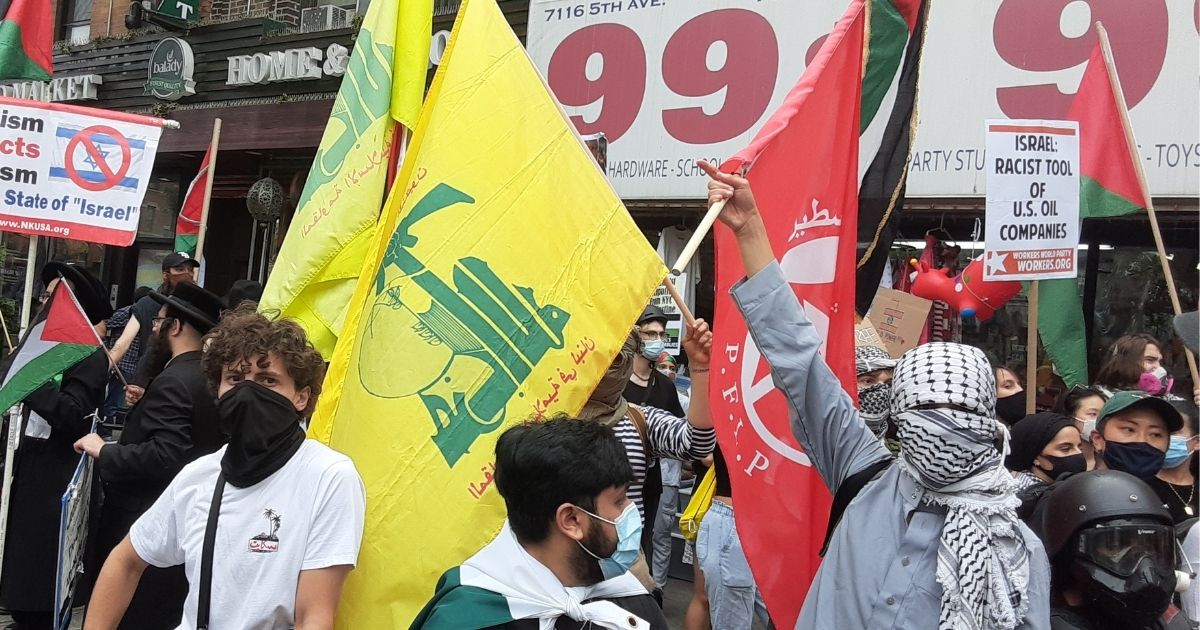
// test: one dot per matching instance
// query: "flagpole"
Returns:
(1031, 344)
(208, 185)
(683, 309)
(30, 273)
(1141, 176)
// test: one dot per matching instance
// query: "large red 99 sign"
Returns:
(1028, 35)
(747, 76)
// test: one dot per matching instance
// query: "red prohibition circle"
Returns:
(85, 137)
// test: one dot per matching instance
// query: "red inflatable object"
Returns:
(966, 293)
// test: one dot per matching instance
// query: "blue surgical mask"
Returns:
(629, 542)
(1177, 452)
(653, 349)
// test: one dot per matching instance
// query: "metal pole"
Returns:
(262, 259)
(30, 276)
(253, 240)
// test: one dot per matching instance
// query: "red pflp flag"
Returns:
(187, 225)
(26, 40)
(803, 166)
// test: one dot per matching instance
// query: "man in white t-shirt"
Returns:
(290, 511)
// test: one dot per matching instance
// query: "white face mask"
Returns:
(1089, 426)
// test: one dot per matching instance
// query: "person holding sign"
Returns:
(931, 540)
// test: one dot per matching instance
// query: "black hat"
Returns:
(88, 290)
(1091, 497)
(244, 291)
(199, 307)
(1030, 435)
(174, 259)
(652, 314)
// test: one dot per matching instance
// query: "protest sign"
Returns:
(1032, 223)
(74, 172)
(899, 318)
(72, 538)
(674, 326)
(865, 334)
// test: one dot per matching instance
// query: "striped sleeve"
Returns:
(674, 437)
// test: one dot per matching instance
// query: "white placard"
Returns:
(673, 81)
(73, 172)
(1032, 221)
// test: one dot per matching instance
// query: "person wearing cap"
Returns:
(647, 386)
(1112, 548)
(1042, 448)
(1133, 432)
(929, 539)
(54, 416)
(174, 423)
(177, 269)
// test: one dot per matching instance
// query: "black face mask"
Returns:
(1010, 409)
(1060, 466)
(1136, 458)
(1132, 602)
(263, 429)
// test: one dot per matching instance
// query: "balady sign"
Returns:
(67, 172)
(1032, 200)
(171, 68)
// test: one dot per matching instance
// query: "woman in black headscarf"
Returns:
(1044, 447)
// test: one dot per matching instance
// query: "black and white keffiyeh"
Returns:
(870, 358)
(944, 396)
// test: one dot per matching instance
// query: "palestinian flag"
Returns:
(26, 38)
(187, 226)
(1108, 187)
(60, 338)
(895, 42)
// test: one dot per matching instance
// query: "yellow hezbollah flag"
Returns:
(334, 226)
(505, 276)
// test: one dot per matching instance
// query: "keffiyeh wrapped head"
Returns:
(944, 396)
(874, 402)
(606, 400)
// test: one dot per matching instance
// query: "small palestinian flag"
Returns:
(187, 226)
(26, 38)
(57, 341)
(1108, 187)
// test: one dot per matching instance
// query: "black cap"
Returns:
(197, 306)
(88, 290)
(1091, 497)
(652, 314)
(175, 259)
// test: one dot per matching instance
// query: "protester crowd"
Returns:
(953, 508)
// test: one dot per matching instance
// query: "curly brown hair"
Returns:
(246, 335)
(1122, 366)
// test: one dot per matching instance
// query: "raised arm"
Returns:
(823, 416)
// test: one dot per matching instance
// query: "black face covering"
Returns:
(263, 429)
(1010, 409)
(1060, 466)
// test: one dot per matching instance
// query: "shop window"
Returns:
(76, 21)
(159, 209)
(149, 266)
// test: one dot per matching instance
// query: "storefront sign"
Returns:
(671, 82)
(1032, 225)
(171, 68)
(294, 64)
(77, 88)
(182, 9)
(72, 172)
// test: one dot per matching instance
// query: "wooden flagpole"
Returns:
(683, 309)
(1141, 175)
(693, 243)
(208, 185)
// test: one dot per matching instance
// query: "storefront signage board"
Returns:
(1032, 218)
(671, 82)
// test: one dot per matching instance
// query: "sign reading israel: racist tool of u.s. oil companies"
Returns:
(1032, 228)
(73, 172)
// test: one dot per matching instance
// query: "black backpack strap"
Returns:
(846, 493)
(206, 556)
